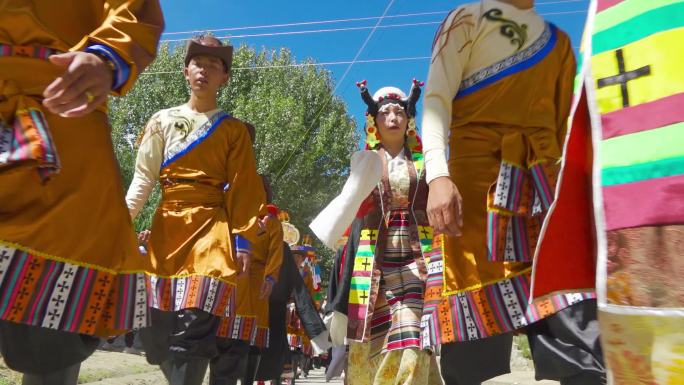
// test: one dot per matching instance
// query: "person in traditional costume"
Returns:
(66, 241)
(621, 190)
(380, 300)
(497, 101)
(289, 285)
(302, 348)
(267, 257)
(204, 226)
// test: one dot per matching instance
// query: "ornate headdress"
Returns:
(385, 97)
(290, 232)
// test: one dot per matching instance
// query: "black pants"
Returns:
(184, 344)
(41, 351)
(565, 347)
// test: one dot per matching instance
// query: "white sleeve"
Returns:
(333, 221)
(449, 57)
(147, 165)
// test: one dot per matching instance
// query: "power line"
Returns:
(319, 64)
(310, 31)
(344, 29)
(332, 94)
(306, 32)
(315, 22)
(336, 21)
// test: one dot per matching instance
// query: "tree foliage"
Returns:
(304, 134)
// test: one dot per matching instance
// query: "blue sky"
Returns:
(388, 42)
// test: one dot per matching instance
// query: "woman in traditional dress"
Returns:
(380, 293)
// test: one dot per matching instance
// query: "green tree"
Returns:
(304, 134)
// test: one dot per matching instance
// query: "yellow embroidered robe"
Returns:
(501, 102)
(211, 192)
(68, 253)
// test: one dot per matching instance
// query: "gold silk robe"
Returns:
(507, 99)
(210, 192)
(68, 254)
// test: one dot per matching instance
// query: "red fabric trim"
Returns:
(565, 259)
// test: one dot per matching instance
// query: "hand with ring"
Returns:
(83, 86)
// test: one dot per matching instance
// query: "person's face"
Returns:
(205, 74)
(299, 260)
(392, 123)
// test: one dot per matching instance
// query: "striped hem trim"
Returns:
(202, 292)
(492, 310)
(243, 328)
(64, 296)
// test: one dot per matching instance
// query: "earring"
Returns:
(372, 134)
(412, 140)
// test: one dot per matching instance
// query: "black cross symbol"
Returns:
(623, 77)
(425, 232)
(69, 273)
(516, 314)
(4, 255)
(366, 264)
(34, 264)
(100, 294)
(23, 293)
(104, 280)
(141, 289)
(29, 277)
(96, 308)
(509, 249)
(58, 300)
(140, 316)
(140, 303)
(17, 308)
(63, 286)
(444, 312)
(363, 297)
(471, 328)
(106, 316)
(54, 314)
(90, 322)
(508, 293)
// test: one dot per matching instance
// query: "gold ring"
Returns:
(89, 96)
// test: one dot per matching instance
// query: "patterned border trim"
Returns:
(36, 52)
(516, 208)
(195, 138)
(522, 60)
(201, 292)
(495, 309)
(62, 296)
(243, 328)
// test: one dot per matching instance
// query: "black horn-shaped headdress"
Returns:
(408, 103)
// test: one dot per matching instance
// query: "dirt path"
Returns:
(113, 368)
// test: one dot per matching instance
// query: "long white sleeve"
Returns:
(331, 223)
(147, 164)
(449, 58)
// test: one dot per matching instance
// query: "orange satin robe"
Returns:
(67, 248)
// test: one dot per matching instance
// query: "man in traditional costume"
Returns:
(267, 257)
(204, 226)
(498, 94)
(621, 201)
(289, 285)
(67, 246)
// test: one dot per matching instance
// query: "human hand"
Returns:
(81, 88)
(444, 207)
(244, 260)
(266, 287)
